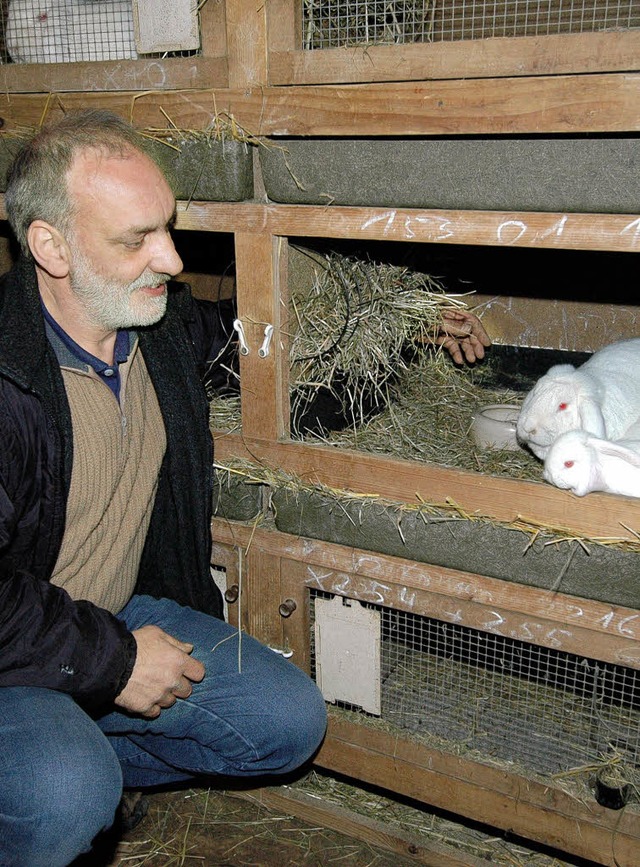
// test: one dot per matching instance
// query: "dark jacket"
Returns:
(46, 639)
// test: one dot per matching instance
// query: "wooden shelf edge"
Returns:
(375, 833)
(575, 231)
(598, 516)
(586, 627)
(486, 794)
(561, 54)
(162, 74)
(530, 105)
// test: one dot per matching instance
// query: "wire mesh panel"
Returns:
(63, 31)
(335, 23)
(541, 710)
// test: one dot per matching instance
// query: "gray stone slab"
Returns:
(207, 171)
(196, 169)
(605, 574)
(599, 175)
(235, 499)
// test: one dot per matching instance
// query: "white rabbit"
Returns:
(601, 396)
(59, 31)
(582, 463)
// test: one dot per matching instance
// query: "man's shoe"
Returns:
(132, 810)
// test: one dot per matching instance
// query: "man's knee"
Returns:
(296, 721)
(58, 809)
(59, 786)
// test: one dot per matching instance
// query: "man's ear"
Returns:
(49, 248)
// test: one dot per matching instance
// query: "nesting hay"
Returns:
(225, 413)
(338, 23)
(222, 127)
(428, 419)
(351, 330)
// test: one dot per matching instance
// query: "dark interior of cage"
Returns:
(406, 405)
(537, 710)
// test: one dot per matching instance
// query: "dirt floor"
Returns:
(212, 828)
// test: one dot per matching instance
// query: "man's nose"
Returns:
(165, 258)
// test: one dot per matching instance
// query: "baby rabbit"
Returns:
(582, 463)
(602, 396)
(59, 31)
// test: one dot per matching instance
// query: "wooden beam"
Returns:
(598, 516)
(550, 619)
(613, 232)
(505, 106)
(501, 798)
(110, 76)
(569, 104)
(470, 58)
(246, 40)
(260, 282)
(413, 847)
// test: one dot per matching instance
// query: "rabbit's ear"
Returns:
(617, 450)
(590, 415)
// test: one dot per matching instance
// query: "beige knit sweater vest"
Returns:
(117, 452)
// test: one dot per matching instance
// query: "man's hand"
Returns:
(463, 336)
(163, 672)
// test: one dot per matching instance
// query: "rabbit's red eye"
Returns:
(568, 464)
(562, 406)
(42, 16)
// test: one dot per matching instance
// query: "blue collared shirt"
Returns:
(70, 354)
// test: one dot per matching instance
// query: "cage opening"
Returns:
(502, 699)
(339, 23)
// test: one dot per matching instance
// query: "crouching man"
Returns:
(116, 669)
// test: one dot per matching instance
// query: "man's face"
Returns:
(121, 251)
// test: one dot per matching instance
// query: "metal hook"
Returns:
(237, 326)
(264, 349)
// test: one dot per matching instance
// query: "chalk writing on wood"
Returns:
(492, 228)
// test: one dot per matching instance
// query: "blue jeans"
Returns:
(62, 772)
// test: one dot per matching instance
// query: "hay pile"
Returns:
(364, 335)
(428, 418)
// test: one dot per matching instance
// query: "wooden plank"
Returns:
(551, 619)
(583, 326)
(554, 104)
(284, 19)
(597, 516)
(414, 847)
(607, 102)
(261, 596)
(480, 58)
(536, 811)
(260, 281)
(246, 42)
(213, 31)
(296, 628)
(507, 615)
(614, 232)
(106, 76)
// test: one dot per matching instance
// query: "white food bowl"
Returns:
(494, 426)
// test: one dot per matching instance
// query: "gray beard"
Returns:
(110, 305)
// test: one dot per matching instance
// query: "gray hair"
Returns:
(36, 182)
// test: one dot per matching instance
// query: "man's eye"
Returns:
(134, 245)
